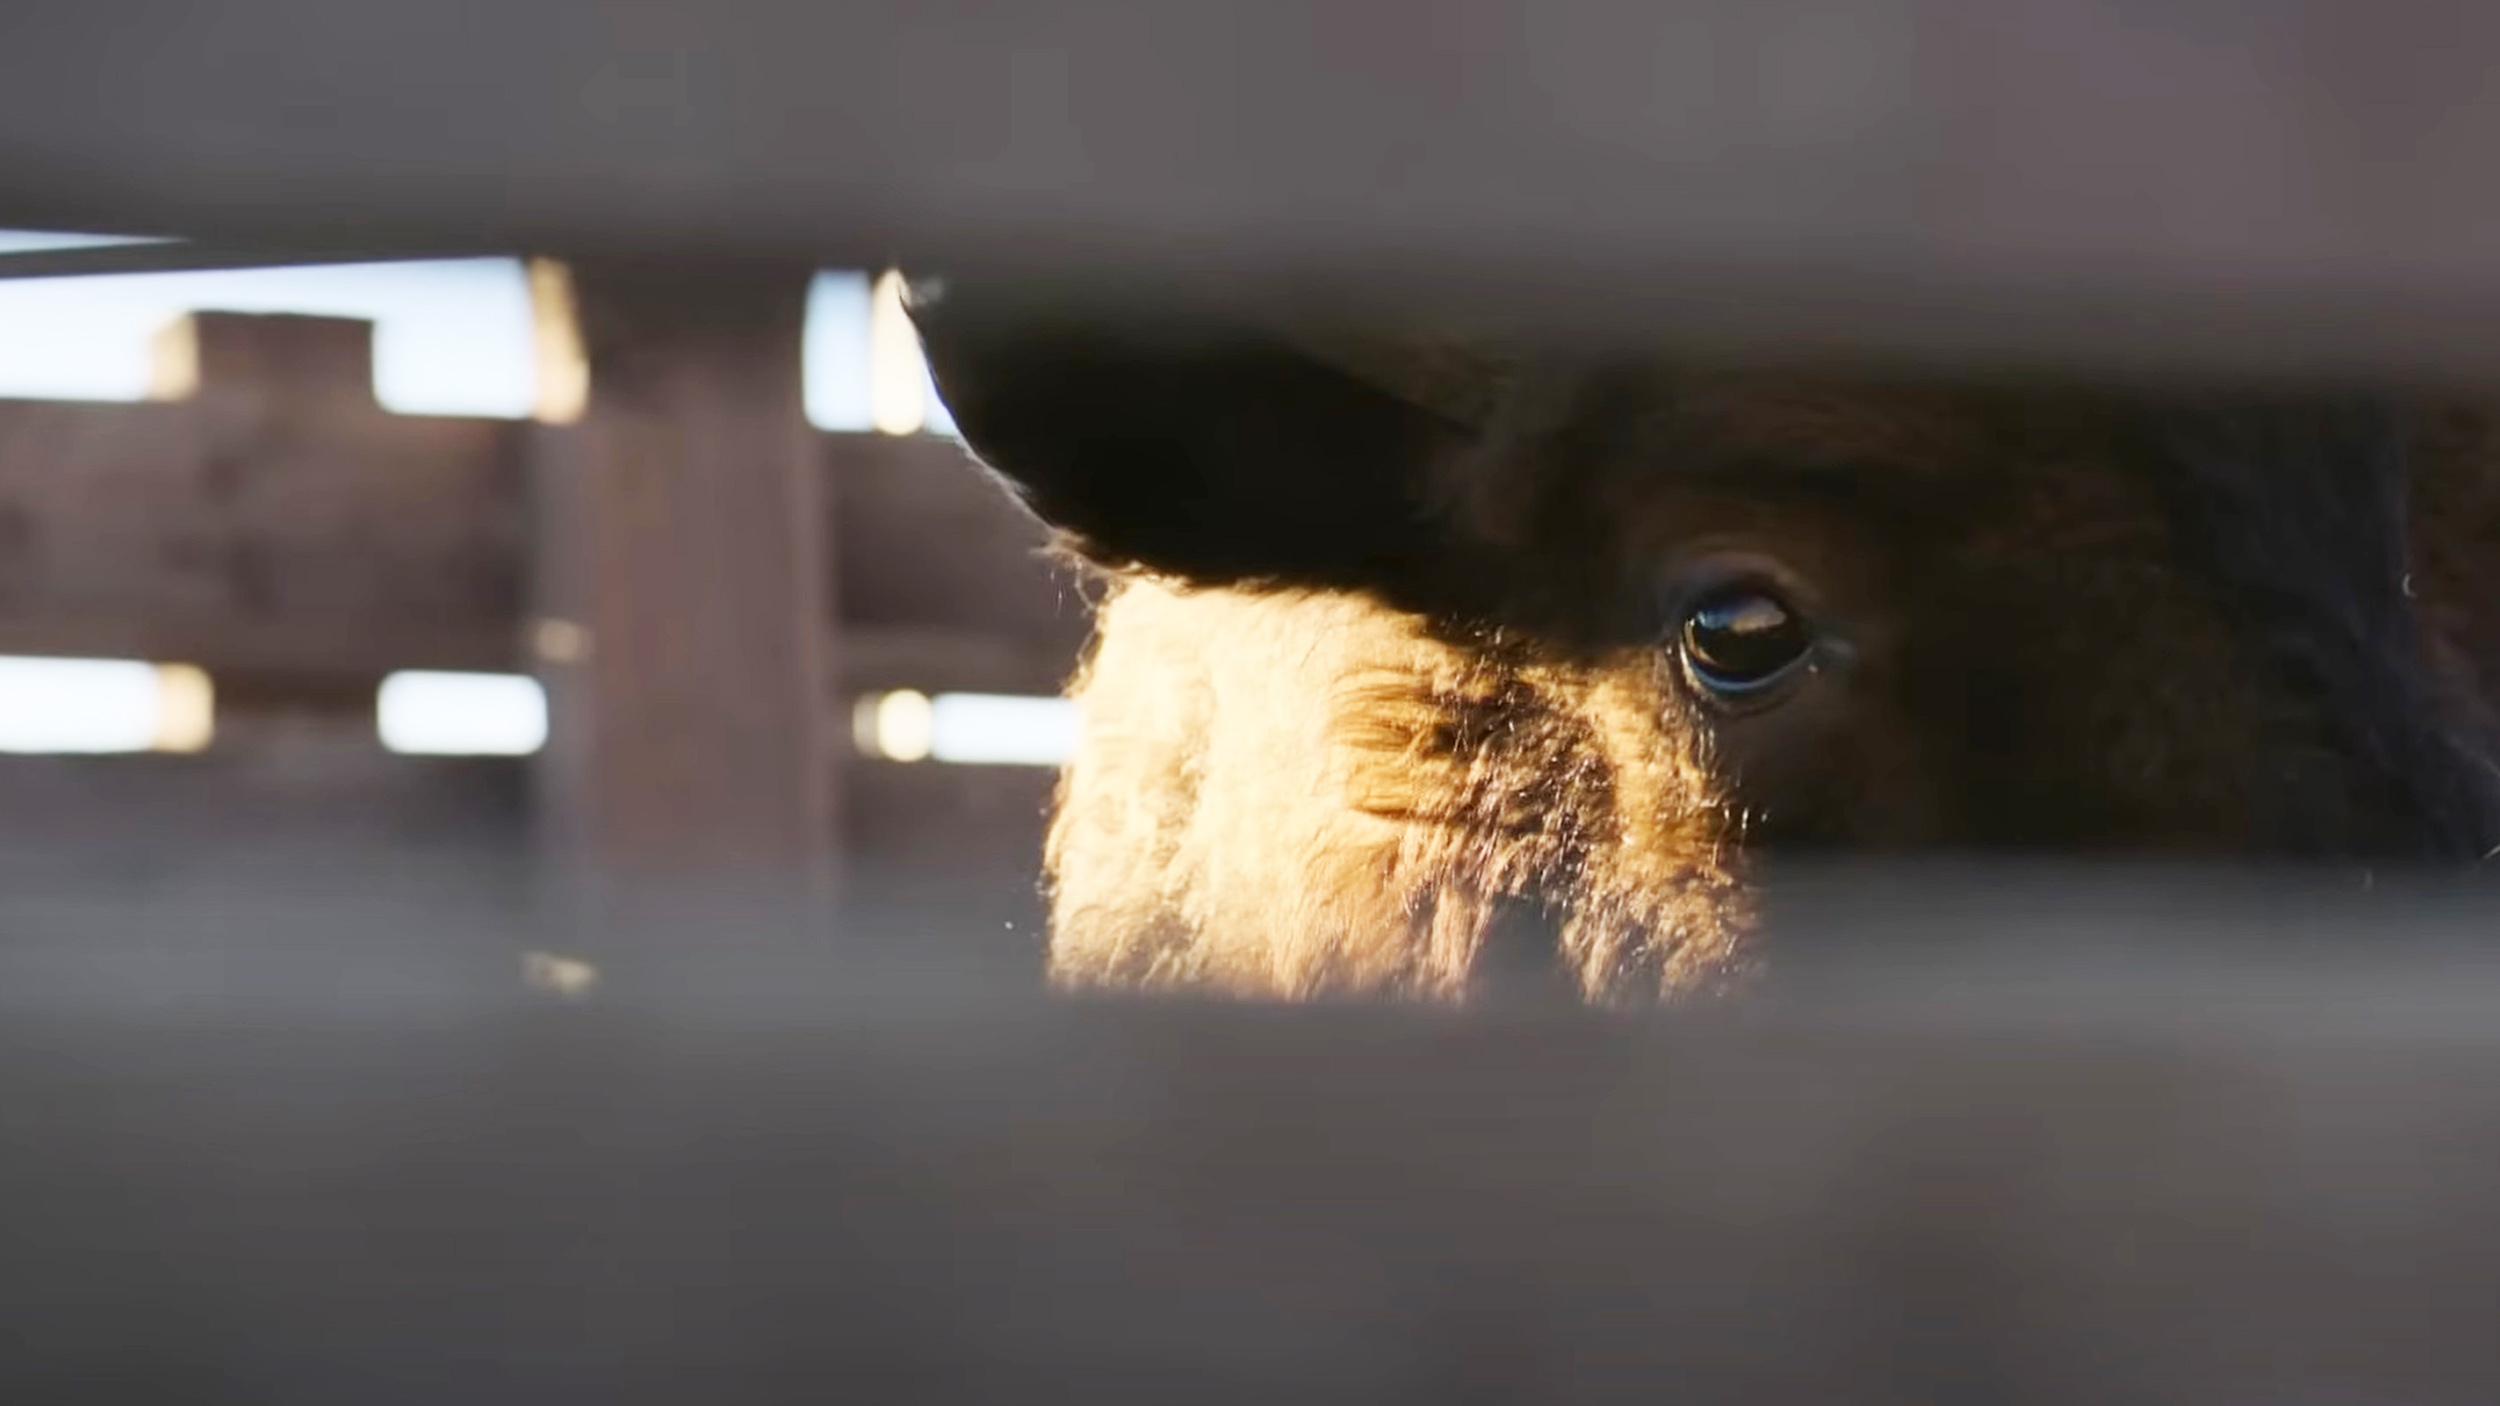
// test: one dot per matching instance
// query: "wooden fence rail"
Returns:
(667, 564)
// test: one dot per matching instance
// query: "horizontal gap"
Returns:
(424, 712)
(54, 706)
(451, 336)
(989, 729)
(38, 241)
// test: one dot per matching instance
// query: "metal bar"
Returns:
(2243, 187)
(294, 1146)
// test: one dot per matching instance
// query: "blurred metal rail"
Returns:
(2233, 186)
(295, 1144)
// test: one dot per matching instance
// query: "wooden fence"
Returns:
(702, 582)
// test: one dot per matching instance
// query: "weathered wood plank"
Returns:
(690, 554)
(273, 517)
(930, 542)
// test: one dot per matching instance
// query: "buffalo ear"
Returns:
(1181, 442)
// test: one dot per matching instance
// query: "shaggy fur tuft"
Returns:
(1286, 793)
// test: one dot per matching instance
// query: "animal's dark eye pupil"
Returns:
(1741, 639)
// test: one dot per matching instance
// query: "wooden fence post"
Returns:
(681, 613)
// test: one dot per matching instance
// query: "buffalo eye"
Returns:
(1738, 641)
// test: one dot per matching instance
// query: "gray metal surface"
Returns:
(310, 1140)
(2223, 183)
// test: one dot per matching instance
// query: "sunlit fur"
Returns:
(1286, 793)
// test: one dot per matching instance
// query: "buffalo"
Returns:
(1413, 644)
